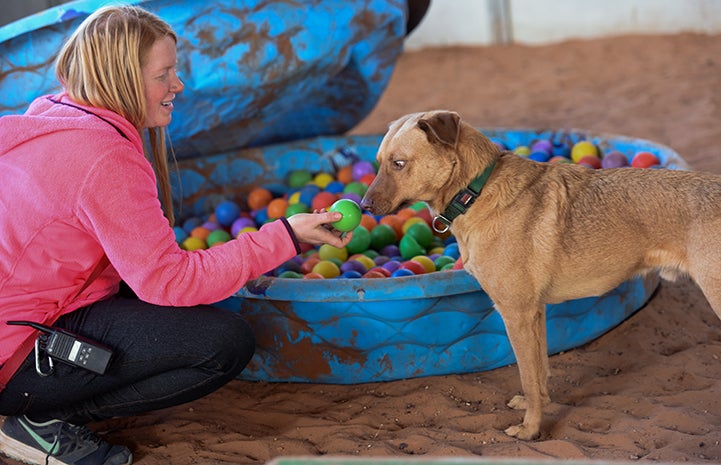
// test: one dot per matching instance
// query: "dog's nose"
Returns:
(366, 203)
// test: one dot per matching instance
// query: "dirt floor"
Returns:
(648, 390)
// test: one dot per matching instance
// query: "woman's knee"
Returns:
(231, 340)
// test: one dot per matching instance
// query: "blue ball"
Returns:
(307, 193)
(540, 156)
(180, 234)
(400, 272)
(226, 212)
(351, 274)
(561, 150)
(452, 251)
(499, 143)
(192, 223)
(335, 187)
(261, 216)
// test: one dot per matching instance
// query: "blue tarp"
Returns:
(256, 72)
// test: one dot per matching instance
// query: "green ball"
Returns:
(360, 242)
(422, 233)
(370, 253)
(290, 274)
(355, 187)
(444, 260)
(219, 235)
(409, 247)
(295, 208)
(299, 178)
(351, 212)
(383, 235)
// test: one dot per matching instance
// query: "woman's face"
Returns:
(161, 82)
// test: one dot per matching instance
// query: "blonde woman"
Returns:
(80, 174)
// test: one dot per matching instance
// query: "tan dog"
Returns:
(543, 233)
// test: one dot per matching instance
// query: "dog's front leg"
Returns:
(526, 328)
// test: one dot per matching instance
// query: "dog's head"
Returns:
(418, 160)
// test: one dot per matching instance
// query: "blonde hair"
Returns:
(100, 66)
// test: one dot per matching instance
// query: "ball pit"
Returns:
(382, 314)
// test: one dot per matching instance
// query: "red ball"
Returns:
(425, 213)
(323, 200)
(590, 160)
(415, 267)
(644, 160)
(373, 274)
(381, 270)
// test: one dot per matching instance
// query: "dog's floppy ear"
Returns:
(442, 128)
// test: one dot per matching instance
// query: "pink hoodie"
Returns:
(72, 188)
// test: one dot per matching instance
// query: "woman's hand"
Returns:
(315, 228)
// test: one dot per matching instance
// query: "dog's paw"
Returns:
(518, 403)
(522, 432)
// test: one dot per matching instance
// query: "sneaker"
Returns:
(56, 442)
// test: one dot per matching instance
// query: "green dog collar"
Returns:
(462, 200)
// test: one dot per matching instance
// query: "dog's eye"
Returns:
(399, 164)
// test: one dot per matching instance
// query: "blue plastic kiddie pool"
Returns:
(366, 330)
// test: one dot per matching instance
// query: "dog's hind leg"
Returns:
(526, 328)
(703, 268)
(710, 285)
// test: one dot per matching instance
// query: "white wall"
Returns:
(477, 22)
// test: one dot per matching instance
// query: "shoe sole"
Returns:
(21, 452)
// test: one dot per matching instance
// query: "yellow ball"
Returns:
(294, 197)
(327, 269)
(365, 260)
(582, 149)
(194, 243)
(426, 262)
(410, 222)
(328, 252)
(247, 229)
(522, 150)
(323, 179)
(436, 251)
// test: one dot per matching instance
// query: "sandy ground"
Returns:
(648, 390)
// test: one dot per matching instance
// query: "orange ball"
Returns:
(345, 174)
(406, 213)
(307, 266)
(395, 222)
(277, 208)
(367, 221)
(313, 275)
(201, 233)
(259, 198)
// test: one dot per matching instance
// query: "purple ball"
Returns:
(239, 224)
(391, 265)
(352, 196)
(542, 146)
(361, 168)
(614, 159)
(353, 265)
(380, 260)
(391, 250)
(211, 225)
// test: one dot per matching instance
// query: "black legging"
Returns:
(163, 356)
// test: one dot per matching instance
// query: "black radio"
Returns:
(71, 348)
